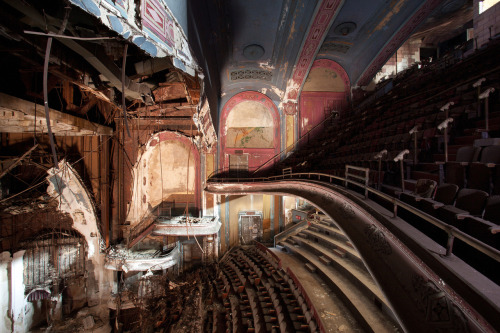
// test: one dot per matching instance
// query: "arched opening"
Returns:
(326, 89)
(54, 267)
(166, 181)
(249, 131)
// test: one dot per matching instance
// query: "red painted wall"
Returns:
(313, 104)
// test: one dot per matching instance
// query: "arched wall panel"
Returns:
(249, 125)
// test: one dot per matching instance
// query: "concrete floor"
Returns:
(334, 316)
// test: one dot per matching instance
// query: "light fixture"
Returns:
(345, 28)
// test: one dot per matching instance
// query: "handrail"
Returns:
(292, 146)
(452, 231)
(287, 232)
(366, 178)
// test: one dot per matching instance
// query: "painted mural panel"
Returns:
(250, 125)
(324, 79)
(250, 137)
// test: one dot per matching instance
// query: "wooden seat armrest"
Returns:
(437, 205)
(463, 216)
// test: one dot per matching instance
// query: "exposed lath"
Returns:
(251, 74)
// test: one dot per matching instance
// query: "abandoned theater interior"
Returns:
(250, 166)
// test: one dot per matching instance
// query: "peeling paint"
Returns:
(266, 66)
(137, 264)
(169, 40)
(73, 198)
(173, 163)
(395, 7)
(66, 186)
(284, 16)
(178, 226)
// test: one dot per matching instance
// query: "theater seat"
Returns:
(492, 210)
(469, 202)
(445, 195)
(455, 171)
(482, 228)
(424, 188)
(480, 173)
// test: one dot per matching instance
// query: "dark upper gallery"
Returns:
(250, 166)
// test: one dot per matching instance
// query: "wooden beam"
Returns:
(21, 116)
(19, 160)
(164, 121)
(167, 106)
(171, 112)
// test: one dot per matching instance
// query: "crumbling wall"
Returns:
(167, 170)
(407, 55)
(5, 319)
(74, 199)
(486, 22)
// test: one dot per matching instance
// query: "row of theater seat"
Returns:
(472, 211)
(260, 297)
(475, 168)
(385, 123)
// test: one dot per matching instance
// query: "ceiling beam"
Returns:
(21, 116)
(95, 56)
(18, 160)
(164, 121)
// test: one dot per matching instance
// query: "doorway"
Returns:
(250, 223)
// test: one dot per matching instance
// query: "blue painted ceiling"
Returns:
(280, 27)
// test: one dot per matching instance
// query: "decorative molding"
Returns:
(251, 74)
(437, 307)
(247, 96)
(347, 210)
(290, 108)
(149, 24)
(155, 18)
(319, 28)
(334, 47)
(377, 241)
(396, 41)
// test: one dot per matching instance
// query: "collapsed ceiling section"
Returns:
(101, 53)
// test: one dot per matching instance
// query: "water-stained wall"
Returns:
(167, 170)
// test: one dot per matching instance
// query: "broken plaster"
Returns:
(66, 186)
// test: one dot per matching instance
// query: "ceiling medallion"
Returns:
(253, 52)
(345, 28)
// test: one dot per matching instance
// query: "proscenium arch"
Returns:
(409, 278)
(258, 155)
(143, 175)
